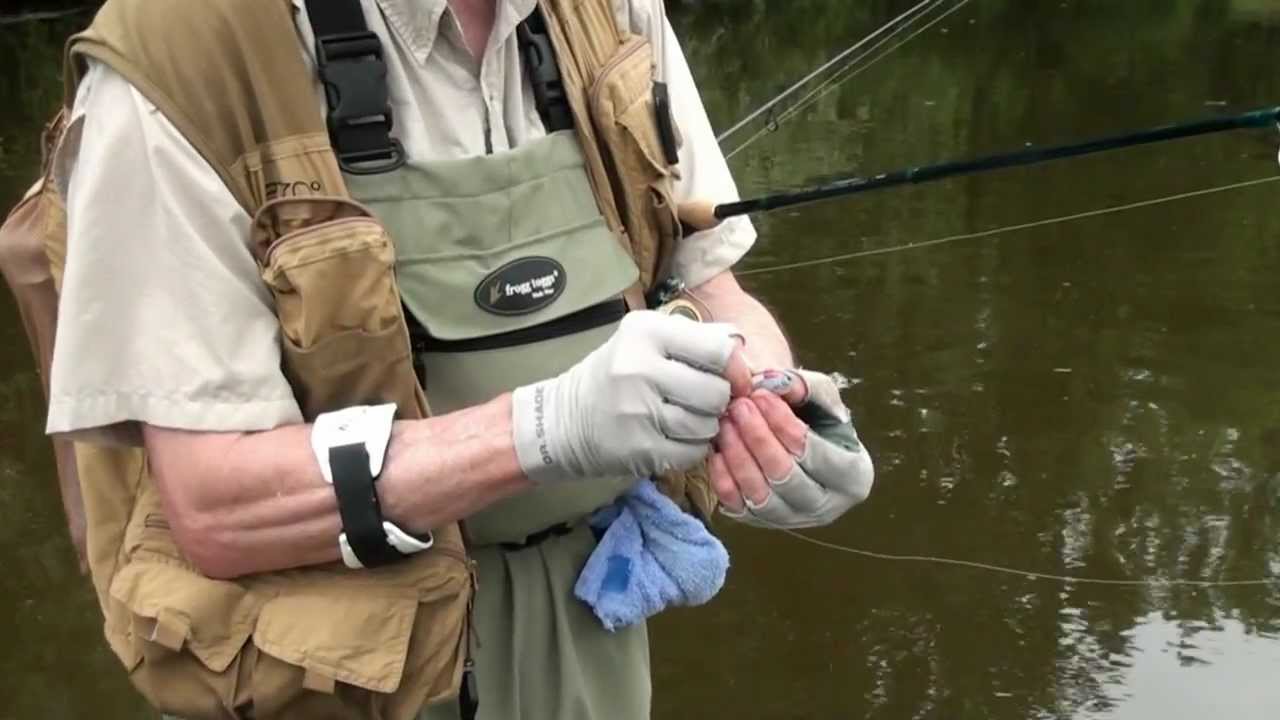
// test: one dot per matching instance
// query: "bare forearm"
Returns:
(441, 471)
(256, 502)
(766, 345)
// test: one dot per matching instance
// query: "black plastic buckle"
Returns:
(373, 162)
(354, 75)
(544, 74)
(343, 46)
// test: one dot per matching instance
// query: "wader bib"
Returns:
(513, 276)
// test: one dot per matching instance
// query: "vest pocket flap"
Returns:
(627, 78)
(331, 278)
(625, 118)
(622, 98)
(331, 269)
(175, 608)
(345, 633)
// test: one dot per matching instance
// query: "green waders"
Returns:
(507, 263)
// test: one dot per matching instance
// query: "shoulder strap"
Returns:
(354, 73)
(539, 58)
(582, 55)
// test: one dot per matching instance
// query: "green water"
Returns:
(1092, 398)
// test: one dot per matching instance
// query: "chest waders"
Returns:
(510, 275)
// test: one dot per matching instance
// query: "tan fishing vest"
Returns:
(230, 76)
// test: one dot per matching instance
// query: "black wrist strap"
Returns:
(358, 506)
(350, 60)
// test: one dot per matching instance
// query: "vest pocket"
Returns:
(337, 639)
(623, 110)
(342, 359)
(343, 648)
(330, 267)
(181, 636)
(315, 642)
(332, 278)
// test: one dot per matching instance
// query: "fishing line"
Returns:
(845, 74)
(832, 83)
(988, 567)
(835, 81)
(775, 121)
(1007, 229)
(1029, 574)
(847, 52)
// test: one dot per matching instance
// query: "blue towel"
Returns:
(652, 556)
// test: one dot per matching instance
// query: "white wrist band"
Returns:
(396, 538)
(370, 426)
(366, 424)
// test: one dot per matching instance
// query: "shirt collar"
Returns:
(417, 22)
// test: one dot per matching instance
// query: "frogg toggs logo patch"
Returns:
(521, 286)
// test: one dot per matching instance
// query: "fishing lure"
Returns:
(777, 382)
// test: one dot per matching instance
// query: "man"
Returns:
(168, 338)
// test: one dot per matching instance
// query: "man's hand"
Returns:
(774, 469)
(645, 402)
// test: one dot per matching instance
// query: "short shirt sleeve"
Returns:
(704, 172)
(163, 318)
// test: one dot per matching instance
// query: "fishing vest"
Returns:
(321, 641)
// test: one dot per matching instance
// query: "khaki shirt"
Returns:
(163, 318)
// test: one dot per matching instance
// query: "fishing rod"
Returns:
(703, 215)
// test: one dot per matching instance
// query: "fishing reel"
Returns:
(672, 297)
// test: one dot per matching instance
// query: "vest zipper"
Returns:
(155, 522)
(288, 237)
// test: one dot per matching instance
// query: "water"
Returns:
(1096, 398)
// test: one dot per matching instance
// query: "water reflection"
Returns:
(1094, 398)
(1259, 10)
(1091, 398)
(1171, 664)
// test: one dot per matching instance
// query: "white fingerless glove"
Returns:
(834, 474)
(645, 402)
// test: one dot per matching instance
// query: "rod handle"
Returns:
(698, 214)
